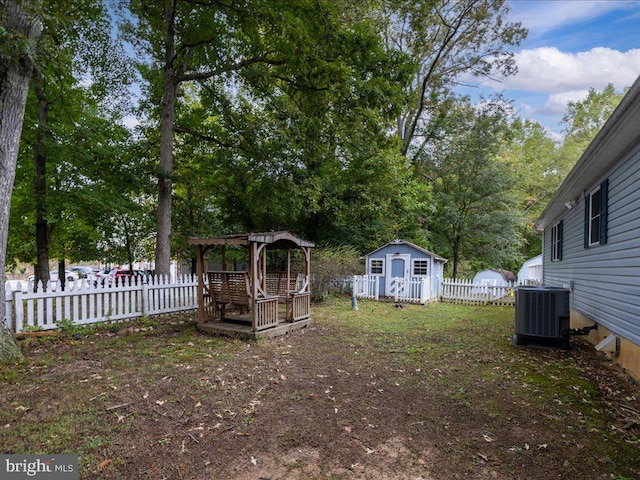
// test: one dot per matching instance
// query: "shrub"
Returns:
(332, 268)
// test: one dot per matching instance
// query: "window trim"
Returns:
(413, 267)
(557, 234)
(382, 265)
(591, 236)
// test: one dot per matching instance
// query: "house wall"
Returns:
(605, 279)
(435, 268)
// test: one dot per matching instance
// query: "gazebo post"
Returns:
(200, 273)
(254, 265)
(288, 270)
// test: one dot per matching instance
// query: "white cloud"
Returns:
(542, 17)
(549, 70)
(557, 103)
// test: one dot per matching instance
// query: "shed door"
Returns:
(397, 266)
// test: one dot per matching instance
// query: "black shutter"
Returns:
(587, 202)
(560, 238)
(604, 210)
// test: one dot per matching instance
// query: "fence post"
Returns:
(144, 298)
(376, 287)
(18, 309)
(8, 299)
(423, 290)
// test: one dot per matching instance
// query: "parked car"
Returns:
(84, 271)
(124, 277)
(70, 276)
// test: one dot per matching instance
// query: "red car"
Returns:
(124, 277)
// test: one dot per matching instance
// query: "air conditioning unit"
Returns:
(542, 316)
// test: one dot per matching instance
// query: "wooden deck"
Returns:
(240, 327)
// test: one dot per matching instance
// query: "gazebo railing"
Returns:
(266, 313)
(300, 306)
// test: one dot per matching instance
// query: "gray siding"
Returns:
(606, 278)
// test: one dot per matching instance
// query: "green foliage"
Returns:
(330, 266)
(73, 139)
(446, 41)
(477, 217)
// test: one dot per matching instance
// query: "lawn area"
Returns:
(421, 392)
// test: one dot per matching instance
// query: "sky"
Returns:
(572, 46)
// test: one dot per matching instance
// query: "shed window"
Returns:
(556, 241)
(595, 215)
(376, 266)
(420, 268)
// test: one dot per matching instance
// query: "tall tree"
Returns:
(583, 120)
(477, 218)
(79, 78)
(453, 42)
(20, 29)
(240, 54)
(533, 158)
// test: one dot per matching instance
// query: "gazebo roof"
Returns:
(273, 239)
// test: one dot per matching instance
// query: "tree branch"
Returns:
(231, 68)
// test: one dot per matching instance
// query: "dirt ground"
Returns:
(390, 395)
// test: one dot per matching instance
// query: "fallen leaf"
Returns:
(487, 438)
(254, 461)
(22, 408)
(104, 463)
(347, 429)
(160, 402)
(540, 447)
(198, 405)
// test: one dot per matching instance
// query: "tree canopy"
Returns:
(337, 119)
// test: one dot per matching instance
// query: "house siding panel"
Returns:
(606, 278)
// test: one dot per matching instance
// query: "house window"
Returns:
(376, 266)
(556, 242)
(420, 268)
(595, 215)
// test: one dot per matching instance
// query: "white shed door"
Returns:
(397, 266)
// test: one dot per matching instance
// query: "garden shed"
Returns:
(400, 263)
(271, 297)
(494, 277)
(531, 271)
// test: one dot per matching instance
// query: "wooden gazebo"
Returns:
(256, 301)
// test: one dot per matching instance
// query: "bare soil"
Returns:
(433, 393)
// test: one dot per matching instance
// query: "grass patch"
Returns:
(436, 391)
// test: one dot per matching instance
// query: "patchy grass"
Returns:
(431, 392)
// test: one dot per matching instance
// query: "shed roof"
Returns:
(398, 241)
(277, 239)
(613, 140)
(506, 274)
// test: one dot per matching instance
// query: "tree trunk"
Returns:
(165, 187)
(15, 73)
(41, 269)
(456, 257)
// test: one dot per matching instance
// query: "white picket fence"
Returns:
(465, 291)
(402, 289)
(84, 303)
